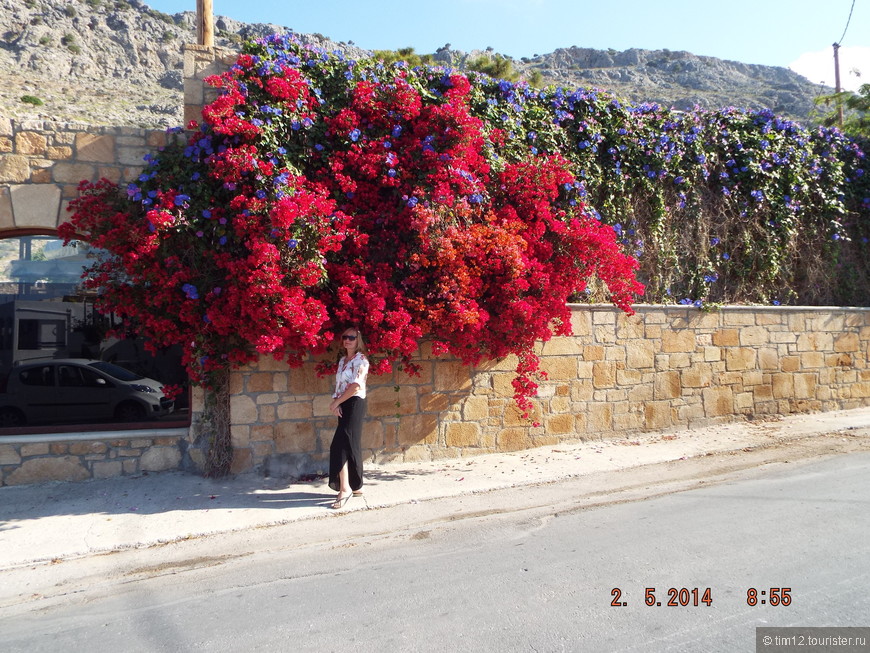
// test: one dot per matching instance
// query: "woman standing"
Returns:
(349, 405)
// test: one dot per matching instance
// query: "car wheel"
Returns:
(11, 417)
(130, 411)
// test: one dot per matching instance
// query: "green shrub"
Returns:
(31, 99)
(122, 5)
(70, 11)
(44, 40)
(168, 35)
(67, 39)
(74, 49)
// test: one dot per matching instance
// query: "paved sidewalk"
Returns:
(50, 522)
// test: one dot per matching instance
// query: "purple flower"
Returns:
(190, 291)
(354, 135)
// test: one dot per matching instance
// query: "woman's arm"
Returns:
(349, 391)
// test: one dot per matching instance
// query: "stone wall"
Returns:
(37, 459)
(665, 368)
(42, 163)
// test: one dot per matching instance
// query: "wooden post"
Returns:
(205, 22)
(837, 84)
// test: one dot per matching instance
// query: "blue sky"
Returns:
(788, 33)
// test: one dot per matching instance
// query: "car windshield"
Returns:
(113, 370)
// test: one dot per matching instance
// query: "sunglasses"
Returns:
(348, 337)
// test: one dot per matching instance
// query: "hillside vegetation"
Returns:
(120, 62)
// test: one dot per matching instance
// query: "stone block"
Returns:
(132, 156)
(726, 338)
(667, 385)
(417, 454)
(30, 143)
(738, 318)
(783, 385)
(73, 173)
(435, 402)
(560, 368)
(718, 401)
(815, 342)
(417, 429)
(698, 376)
(59, 153)
(640, 354)
(6, 219)
(260, 432)
(658, 415)
(604, 375)
(452, 376)
(295, 410)
(768, 358)
(85, 448)
(805, 386)
(513, 439)
(561, 346)
(14, 169)
(304, 381)
(559, 424)
(812, 359)
(35, 205)
(260, 382)
(34, 449)
(628, 377)
(600, 418)
(581, 321)
(790, 363)
(266, 414)
(847, 342)
(475, 409)
(42, 470)
(581, 390)
(160, 459)
(95, 148)
(8, 455)
(753, 336)
(502, 384)
(385, 401)
(243, 461)
(461, 434)
(763, 392)
(107, 469)
(678, 341)
(839, 360)
(243, 410)
(374, 434)
(632, 421)
(739, 358)
(294, 437)
(240, 435)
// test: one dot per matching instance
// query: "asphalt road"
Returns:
(542, 577)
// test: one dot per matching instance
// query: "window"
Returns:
(61, 364)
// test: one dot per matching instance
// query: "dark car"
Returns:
(78, 390)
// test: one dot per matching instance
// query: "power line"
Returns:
(848, 20)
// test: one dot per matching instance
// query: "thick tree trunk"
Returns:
(216, 429)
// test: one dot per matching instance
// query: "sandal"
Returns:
(357, 493)
(340, 501)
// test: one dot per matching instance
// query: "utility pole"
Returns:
(205, 23)
(837, 84)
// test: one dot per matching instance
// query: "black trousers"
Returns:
(346, 444)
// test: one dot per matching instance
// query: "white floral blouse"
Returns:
(353, 371)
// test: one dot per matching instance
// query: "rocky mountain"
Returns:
(119, 62)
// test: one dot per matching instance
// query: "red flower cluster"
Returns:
(289, 213)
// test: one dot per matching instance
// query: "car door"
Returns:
(84, 395)
(37, 393)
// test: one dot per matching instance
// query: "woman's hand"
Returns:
(335, 408)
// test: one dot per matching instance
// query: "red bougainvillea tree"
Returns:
(320, 192)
